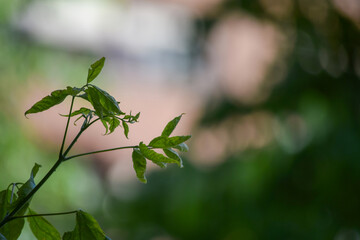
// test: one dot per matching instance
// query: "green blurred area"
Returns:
(293, 188)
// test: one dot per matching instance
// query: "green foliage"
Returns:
(139, 163)
(106, 110)
(41, 228)
(86, 228)
(55, 98)
(95, 69)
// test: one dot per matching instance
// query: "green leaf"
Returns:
(27, 187)
(86, 228)
(95, 69)
(110, 123)
(73, 91)
(41, 228)
(82, 110)
(174, 155)
(126, 129)
(169, 128)
(105, 123)
(139, 164)
(55, 98)
(155, 157)
(12, 230)
(114, 123)
(182, 147)
(166, 142)
(4, 203)
(103, 103)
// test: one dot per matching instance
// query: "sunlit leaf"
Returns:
(183, 147)
(155, 157)
(41, 228)
(169, 128)
(86, 228)
(95, 69)
(126, 129)
(168, 142)
(139, 164)
(55, 98)
(174, 155)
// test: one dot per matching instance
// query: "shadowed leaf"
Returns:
(174, 155)
(41, 228)
(103, 103)
(86, 228)
(139, 164)
(183, 147)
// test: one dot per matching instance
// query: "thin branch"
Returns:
(27, 197)
(43, 214)
(99, 151)
(66, 129)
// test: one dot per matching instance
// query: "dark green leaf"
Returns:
(84, 96)
(155, 157)
(4, 203)
(12, 229)
(182, 147)
(171, 126)
(139, 164)
(73, 91)
(103, 103)
(26, 188)
(55, 98)
(41, 228)
(166, 142)
(126, 129)
(174, 155)
(95, 69)
(94, 99)
(86, 228)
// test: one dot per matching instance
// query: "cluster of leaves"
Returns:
(14, 205)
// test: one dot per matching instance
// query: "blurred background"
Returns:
(270, 89)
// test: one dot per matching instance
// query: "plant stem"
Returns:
(27, 197)
(66, 129)
(45, 178)
(99, 151)
(76, 138)
(44, 214)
